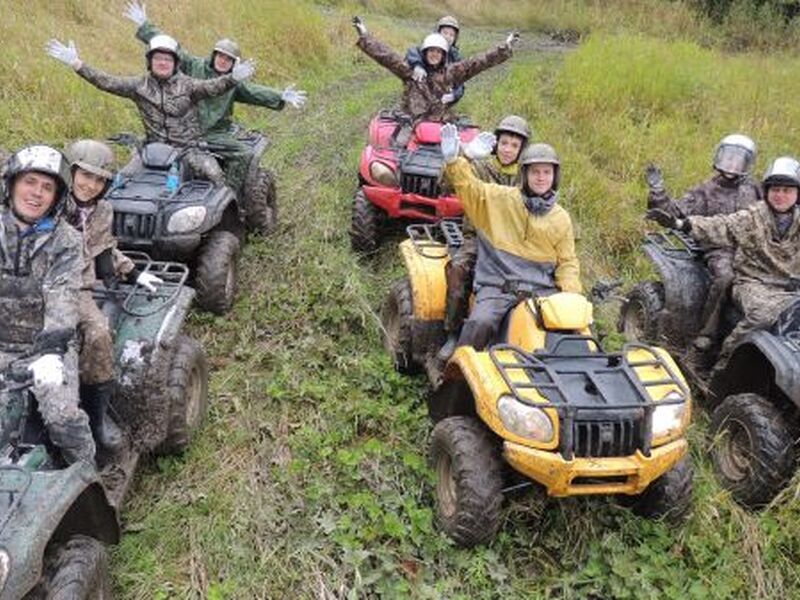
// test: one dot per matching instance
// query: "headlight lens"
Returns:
(382, 173)
(668, 419)
(525, 420)
(5, 566)
(186, 219)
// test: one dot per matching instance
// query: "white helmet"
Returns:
(784, 170)
(41, 159)
(435, 40)
(735, 155)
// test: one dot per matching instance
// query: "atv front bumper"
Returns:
(181, 248)
(586, 476)
(401, 205)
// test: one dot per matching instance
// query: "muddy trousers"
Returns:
(67, 425)
(459, 273)
(203, 164)
(720, 266)
(97, 348)
(491, 306)
(236, 156)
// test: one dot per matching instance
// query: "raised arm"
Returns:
(469, 68)
(259, 95)
(380, 52)
(208, 88)
(68, 54)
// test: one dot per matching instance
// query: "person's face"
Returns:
(222, 63)
(86, 186)
(162, 64)
(434, 56)
(33, 195)
(508, 147)
(782, 197)
(449, 33)
(540, 178)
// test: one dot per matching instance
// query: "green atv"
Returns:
(56, 519)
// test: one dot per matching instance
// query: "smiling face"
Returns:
(540, 177)
(162, 64)
(222, 63)
(33, 195)
(782, 197)
(508, 148)
(434, 56)
(87, 186)
(449, 33)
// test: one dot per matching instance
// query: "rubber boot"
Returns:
(106, 432)
(449, 347)
(74, 438)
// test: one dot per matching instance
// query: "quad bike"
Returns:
(401, 181)
(198, 222)
(55, 519)
(754, 399)
(545, 400)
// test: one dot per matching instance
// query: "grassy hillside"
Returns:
(309, 480)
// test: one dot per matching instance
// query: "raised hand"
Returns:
(243, 69)
(450, 142)
(66, 54)
(297, 98)
(481, 146)
(135, 12)
(358, 23)
(654, 178)
(513, 39)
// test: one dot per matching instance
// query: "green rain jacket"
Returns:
(216, 114)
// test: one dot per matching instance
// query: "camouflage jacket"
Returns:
(168, 108)
(761, 255)
(717, 196)
(414, 59)
(96, 224)
(423, 99)
(40, 281)
(216, 113)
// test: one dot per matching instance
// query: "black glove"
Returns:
(668, 220)
(359, 25)
(654, 178)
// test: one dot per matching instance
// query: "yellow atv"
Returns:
(546, 400)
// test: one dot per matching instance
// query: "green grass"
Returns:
(309, 479)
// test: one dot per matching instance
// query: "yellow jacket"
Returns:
(513, 243)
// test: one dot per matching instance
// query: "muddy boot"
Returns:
(74, 439)
(702, 343)
(105, 430)
(447, 350)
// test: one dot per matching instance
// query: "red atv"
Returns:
(401, 181)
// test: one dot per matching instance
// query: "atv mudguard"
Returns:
(426, 272)
(44, 506)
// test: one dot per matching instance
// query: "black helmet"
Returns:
(41, 159)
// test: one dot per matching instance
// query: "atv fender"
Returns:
(427, 276)
(219, 205)
(49, 505)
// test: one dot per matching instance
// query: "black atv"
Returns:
(197, 222)
(56, 519)
(754, 399)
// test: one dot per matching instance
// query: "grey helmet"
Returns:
(515, 125)
(227, 47)
(163, 43)
(92, 156)
(536, 154)
(42, 159)
(735, 155)
(784, 170)
(448, 21)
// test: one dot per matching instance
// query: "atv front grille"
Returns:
(420, 185)
(131, 225)
(599, 439)
(421, 171)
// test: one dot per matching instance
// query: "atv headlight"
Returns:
(5, 567)
(525, 420)
(668, 419)
(382, 173)
(186, 219)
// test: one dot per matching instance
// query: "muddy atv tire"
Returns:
(398, 327)
(469, 480)
(74, 570)
(186, 395)
(669, 497)
(365, 230)
(753, 450)
(638, 320)
(261, 202)
(215, 277)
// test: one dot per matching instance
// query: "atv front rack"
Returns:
(544, 372)
(430, 239)
(14, 482)
(675, 244)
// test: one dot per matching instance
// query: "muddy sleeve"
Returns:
(721, 231)
(209, 88)
(384, 56)
(567, 265)
(259, 95)
(469, 68)
(148, 31)
(119, 86)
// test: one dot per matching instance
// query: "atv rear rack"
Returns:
(429, 236)
(546, 379)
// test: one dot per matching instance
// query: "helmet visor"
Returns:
(734, 160)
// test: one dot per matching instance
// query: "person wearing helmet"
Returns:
(448, 28)
(731, 189)
(526, 243)
(512, 134)
(216, 114)
(166, 98)
(39, 288)
(764, 239)
(422, 100)
(90, 214)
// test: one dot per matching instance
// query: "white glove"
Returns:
(66, 54)
(297, 98)
(149, 281)
(481, 146)
(243, 70)
(448, 98)
(359, 25)
(48, 369)
(512, 39)
(420, 73)
(135, 12)
(450, 142)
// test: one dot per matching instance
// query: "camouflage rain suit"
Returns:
(414, 59)
(39, 287)
(717, 196)
(763, 262)
(216, 114)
